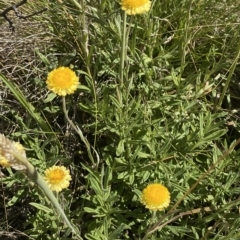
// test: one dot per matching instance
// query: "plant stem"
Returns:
(122, 59)
(232, 68)
(79, 132)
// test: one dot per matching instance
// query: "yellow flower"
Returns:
(7, 159)
(57, 178)
(156, 197)
(4, 162)
(62, 81)
(133, 7)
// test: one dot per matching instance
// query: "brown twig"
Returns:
(19, 15)
(35, 13)
(198, 210)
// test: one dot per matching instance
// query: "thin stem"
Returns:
(123, 48)
(232, 68)
(153, 218)
(85, 29)
(150, 224)
(76, 4)
(78, 131)
(5, 210)
(87, 54)
(122, 58)
(128, 83)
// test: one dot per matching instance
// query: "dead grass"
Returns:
(20, 63)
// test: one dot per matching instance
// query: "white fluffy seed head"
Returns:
(7, 147)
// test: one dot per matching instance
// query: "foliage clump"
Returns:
(156, 104)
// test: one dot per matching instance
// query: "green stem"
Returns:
(150, 224)
(76, 4)
(123, 49)
(122, 59)
(87, 55)
(232, 69)
(79, 132)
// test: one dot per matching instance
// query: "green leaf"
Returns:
(43, 58)
(41, 207)
(85, 88)
(26, 104)
(51, 96)
(143, 155)
(115, 102)
(91, 210)
(120, 148)
(215, 135)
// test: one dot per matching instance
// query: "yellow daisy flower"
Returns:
(62, 81)
(57, 178)
(133, 7)
(6, 157)
(156, 197)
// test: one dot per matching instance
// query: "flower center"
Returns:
(56, 176)
(62, 79)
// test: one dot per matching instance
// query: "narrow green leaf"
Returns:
(41, 207)
(27, 105)
(91, 210)
(120, 148)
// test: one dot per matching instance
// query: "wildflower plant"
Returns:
(13, 155)
(154, 75)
